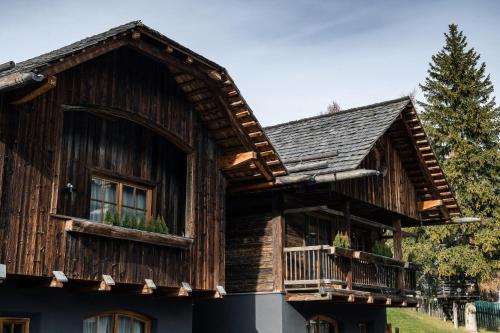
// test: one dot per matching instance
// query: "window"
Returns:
(122, 198)
(14, 325)
(322, 324)
(117, 322)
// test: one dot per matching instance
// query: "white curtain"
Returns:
(90, 325)
(105, 324)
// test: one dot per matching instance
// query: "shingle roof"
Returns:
(47, 58)
(333, 142)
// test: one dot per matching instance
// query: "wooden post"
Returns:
(348, 226)
(397, 237)
(455, 315)
(398, 251)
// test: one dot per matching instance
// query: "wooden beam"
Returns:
(149, 287)
(58, 279)
(185, 289)
(233, 161)
(397, 237)
(220, 292)
(429, 204)
(3, 272)
(106, 283)
(74, 225)
(84, 55)
(46, 86)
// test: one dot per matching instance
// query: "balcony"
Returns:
(332, 271)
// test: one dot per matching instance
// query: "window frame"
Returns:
(124, 313)
(120, 183)
(320, 318)
(15, 320)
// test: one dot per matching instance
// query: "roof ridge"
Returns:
(401, 99)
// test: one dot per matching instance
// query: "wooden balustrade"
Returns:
(323, 266)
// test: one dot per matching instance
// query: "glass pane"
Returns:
(111, 207)
(95, 211)
(139, 327)
(105, 324)
(90, 325)
(96, 189)
(312, 326)
(324, 327)
(127, 211)
(139, 214)
(109, 192)
(140, 199)
(18, 328)
(128, 196)
(124, 324)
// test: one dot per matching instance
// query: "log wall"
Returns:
(33, 241)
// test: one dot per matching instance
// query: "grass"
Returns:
(410, 321)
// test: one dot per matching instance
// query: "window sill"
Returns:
(81, 226)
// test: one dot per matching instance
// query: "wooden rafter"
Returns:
(236, 160)
(49, 84)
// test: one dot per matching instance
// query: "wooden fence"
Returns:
(488, 315)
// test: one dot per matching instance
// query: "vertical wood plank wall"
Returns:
(34, 243)
(394, 192)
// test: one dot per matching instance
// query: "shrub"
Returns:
(341, 240)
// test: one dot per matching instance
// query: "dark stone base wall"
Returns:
(62, 311)
(270, 313)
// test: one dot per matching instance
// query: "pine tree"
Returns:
(462, 120)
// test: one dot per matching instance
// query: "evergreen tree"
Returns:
(462, 120)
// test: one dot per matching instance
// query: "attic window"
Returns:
(118, 197)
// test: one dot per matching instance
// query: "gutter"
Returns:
(19, 79)
(329, 177)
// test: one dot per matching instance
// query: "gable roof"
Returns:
(37, 63)
(207, 85)
(332, 147)
(333, 142)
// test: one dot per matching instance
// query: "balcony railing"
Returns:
(323, 266)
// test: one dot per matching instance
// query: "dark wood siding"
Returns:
(249, 253)
(35, 243)
(118, 147)
(394, 192)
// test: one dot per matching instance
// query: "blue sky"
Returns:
(289, 58)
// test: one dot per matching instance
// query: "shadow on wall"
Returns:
(348, 316)
(247, 313)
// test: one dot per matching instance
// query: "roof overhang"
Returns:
(206, 85)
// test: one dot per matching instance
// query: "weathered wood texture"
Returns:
(41, 158)
(394, 192)
(124, 150)
(250, 253)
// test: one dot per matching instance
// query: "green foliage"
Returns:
(151, 225)
(109, 216)
(141, 224)
(163, 228)
(463, 123)
(115, 218)
(127, 221)
(382, 249)
(341, 240)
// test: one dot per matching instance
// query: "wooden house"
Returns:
(135, 182)
(306, 253)
(115, 155)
